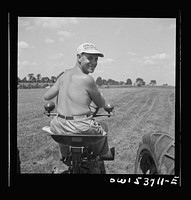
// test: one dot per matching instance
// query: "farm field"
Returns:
(137, 111)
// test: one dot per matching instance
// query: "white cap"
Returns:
(88, 48)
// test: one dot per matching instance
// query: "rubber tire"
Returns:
(155, 154)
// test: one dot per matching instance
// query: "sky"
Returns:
(132, 47)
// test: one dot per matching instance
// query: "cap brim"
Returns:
(94, 52)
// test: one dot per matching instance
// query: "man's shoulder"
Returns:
(87, 78)
(84, 80)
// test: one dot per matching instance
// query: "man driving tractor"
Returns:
(76, 92)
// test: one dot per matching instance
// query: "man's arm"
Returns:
(52, 92)
(94, 92)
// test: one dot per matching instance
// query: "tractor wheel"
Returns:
(155, 154)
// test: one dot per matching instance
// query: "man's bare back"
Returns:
(73, 98)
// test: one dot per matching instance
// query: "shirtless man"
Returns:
(76, 90)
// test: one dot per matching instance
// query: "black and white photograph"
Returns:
(98, 95)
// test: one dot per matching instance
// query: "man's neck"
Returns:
(78, 68)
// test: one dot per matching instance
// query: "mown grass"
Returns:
(137, 111)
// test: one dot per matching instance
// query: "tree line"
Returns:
(99, 81)
(138, 82)
(37, 79)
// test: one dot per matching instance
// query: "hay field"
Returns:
(137, 112)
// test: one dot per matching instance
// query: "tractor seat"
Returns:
(74, 139)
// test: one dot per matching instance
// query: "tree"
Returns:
(38, 77)
(99, 81)
(128, 82)
(24, 80)
(111, 81)
(53, 79)
(104, 82)
(30, 75)
(121, 83)
(116, 82)
(33, 79)
(45, 79)
(140, 82)
(153, 82)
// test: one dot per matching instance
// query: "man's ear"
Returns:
(79, 58)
